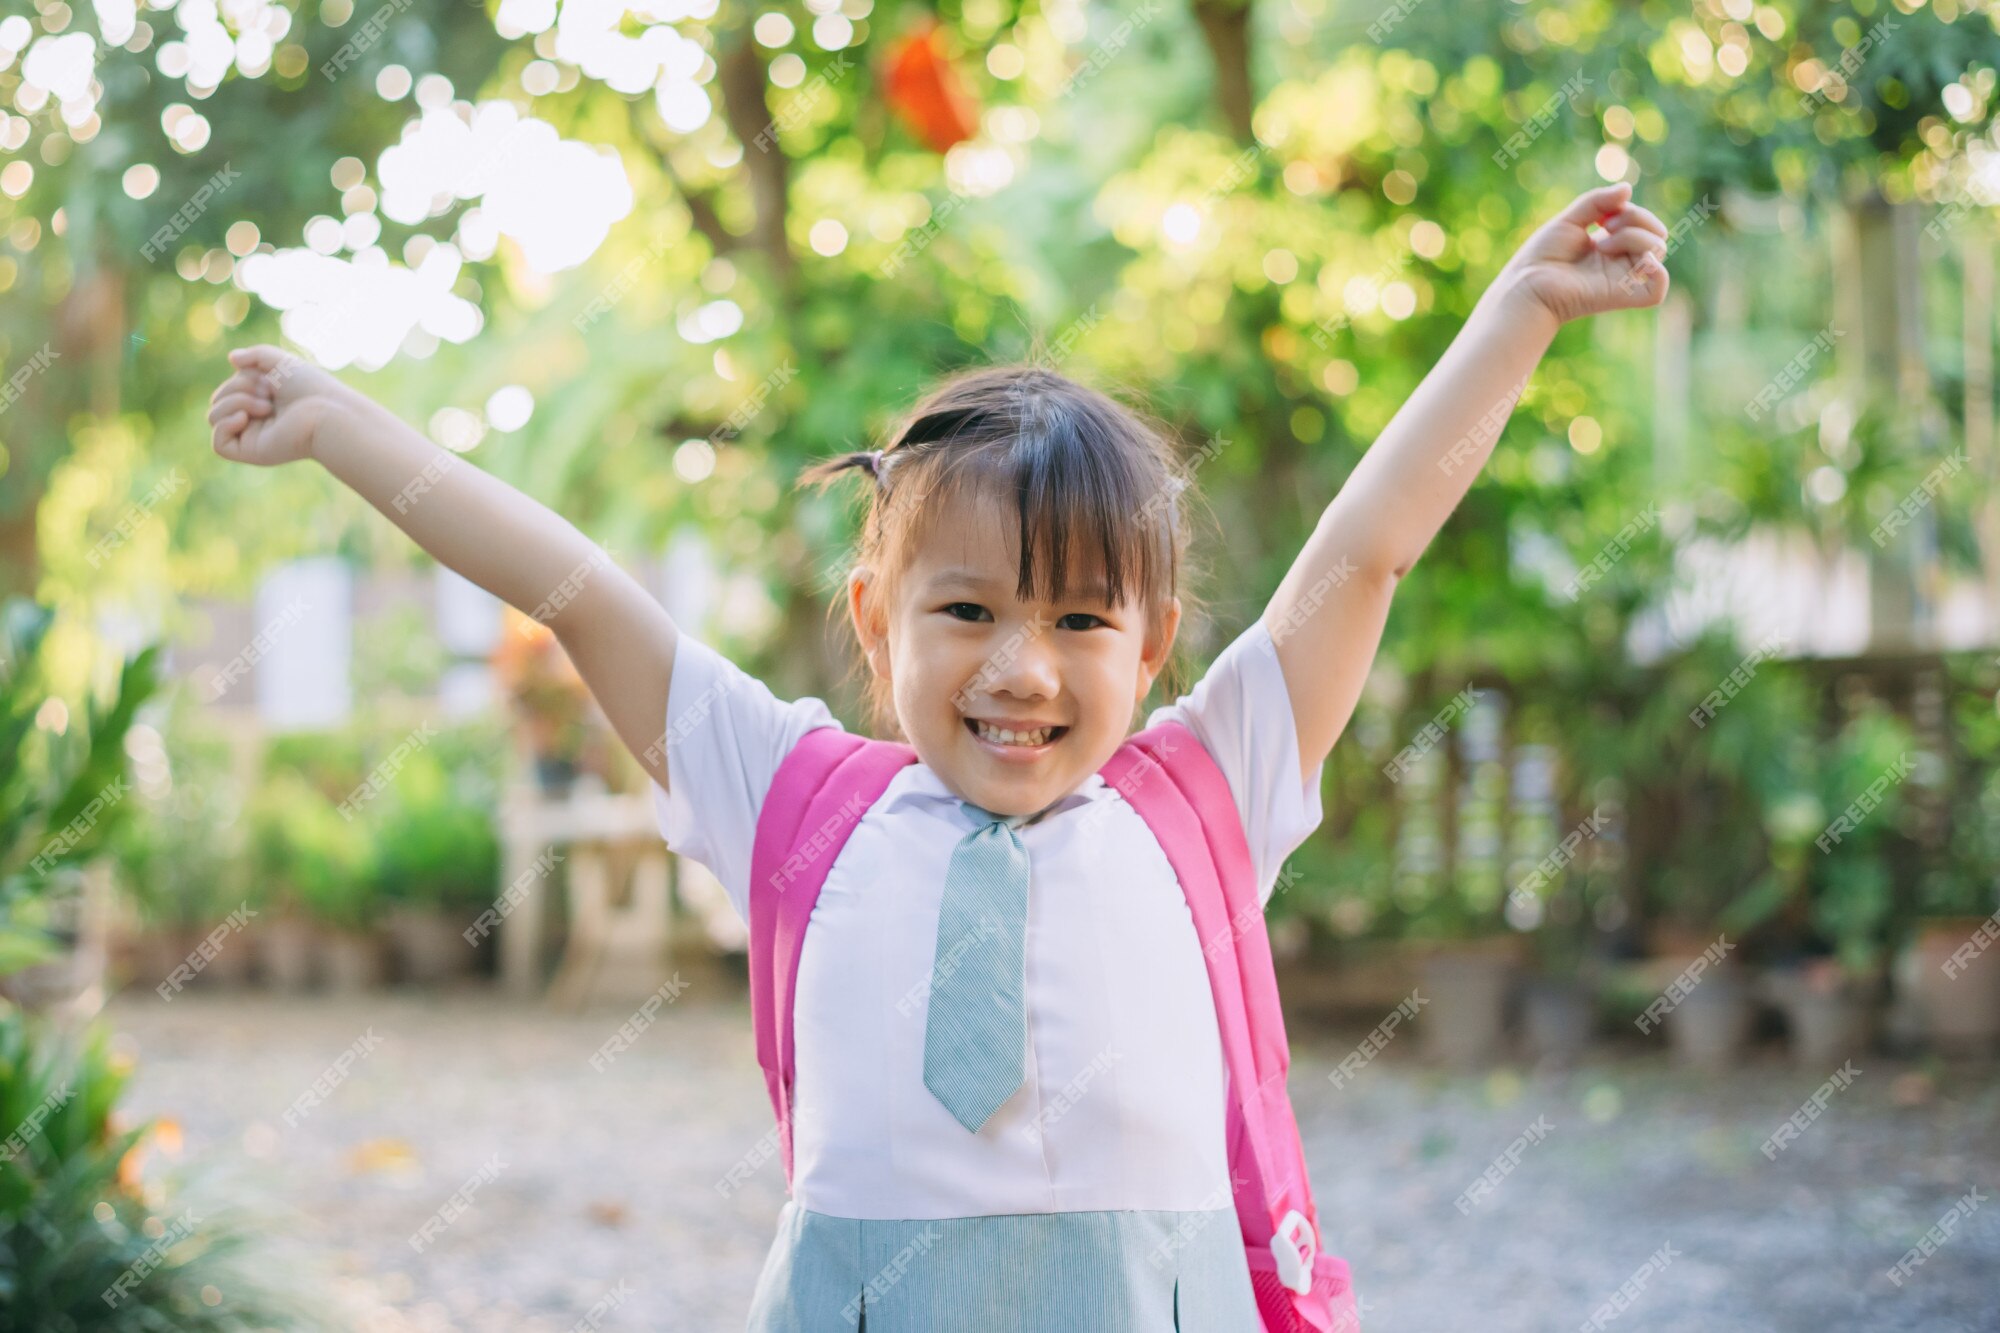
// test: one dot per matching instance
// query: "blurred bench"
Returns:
(620, 895)
(625, 893)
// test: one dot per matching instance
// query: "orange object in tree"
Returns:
(548, 697)
(926, 92)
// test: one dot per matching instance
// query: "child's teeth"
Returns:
(1007, 736)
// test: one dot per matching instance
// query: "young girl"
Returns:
(1009, 1094)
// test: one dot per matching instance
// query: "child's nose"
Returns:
(1025, 666)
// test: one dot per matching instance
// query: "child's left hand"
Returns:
(1570, 272)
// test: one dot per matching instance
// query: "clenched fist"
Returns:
(270, 411)
(1572, 273)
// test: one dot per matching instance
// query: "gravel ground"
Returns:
(599, 1188)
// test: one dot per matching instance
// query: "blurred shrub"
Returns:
(62, 788)
(426, 836)
(1965, 881)
(435, 844)
(305, 856)
(180, 856)
(85, 1243)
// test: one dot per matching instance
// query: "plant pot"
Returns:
(1960, 1006)
(1558, 1020)
(1710, 1026)
(68, 980)
(231, 964)
(1827, 1014)
(287, 952)
(152, 956)
(354, 960)
(428, 945)
(1466, 987)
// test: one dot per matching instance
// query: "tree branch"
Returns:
(1226, 26)
(701, 210)
(700, 205)
(743, 80)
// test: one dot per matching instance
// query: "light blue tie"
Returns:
(976, 1033)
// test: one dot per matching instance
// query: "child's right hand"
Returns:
(270, 411)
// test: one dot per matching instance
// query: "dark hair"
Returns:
(1088, 476)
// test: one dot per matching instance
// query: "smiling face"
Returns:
(1012, 701)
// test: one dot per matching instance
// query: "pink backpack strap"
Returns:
(821, 790)
(1170, 780)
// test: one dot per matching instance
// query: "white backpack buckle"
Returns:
(1293, 1246)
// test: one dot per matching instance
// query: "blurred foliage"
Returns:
(1264, 221)
(304, 856)
(425, 837)
(436, 838)
(63, 787)
(1724, 828)
(181, 858)
(1866, 774)
(1965, 882)
(88, 1241)
(397, 652)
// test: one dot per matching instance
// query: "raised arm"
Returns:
(277, 408)
(1328, 614)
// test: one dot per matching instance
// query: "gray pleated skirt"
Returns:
(1094, 1272)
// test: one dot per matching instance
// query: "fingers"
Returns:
(238, 437)
(1645, 281)
(238, 404)
(227, 435)
(1596, 205)
(1645, 278)
(1632, 240)
(245, 382)
(1634, 215)
(262, 357)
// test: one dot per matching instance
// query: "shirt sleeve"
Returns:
(726, 734)
(1241, 712)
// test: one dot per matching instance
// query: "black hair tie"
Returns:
(940, 425)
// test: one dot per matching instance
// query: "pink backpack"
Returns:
(829, 781)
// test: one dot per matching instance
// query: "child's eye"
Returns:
(966, 611)
(1079, 615)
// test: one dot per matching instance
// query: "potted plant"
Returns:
(1951, 977)
(1467, 962)
(1468, 958)
(1334, 891)
(1559, 1000)
(309, 870)
(337, 890)
(180, 862)
(1556, 891)
(436, 865)
(287, 951)
(1837, 855)
(547, 697)
(1711, 769)
(1468, 977)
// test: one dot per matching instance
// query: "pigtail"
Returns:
(828, 471)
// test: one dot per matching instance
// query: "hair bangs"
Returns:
(1090, 520)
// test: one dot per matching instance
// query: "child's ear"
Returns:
(864, 605)
(1159, 644)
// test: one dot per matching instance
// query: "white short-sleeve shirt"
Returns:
(1123, 1103)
